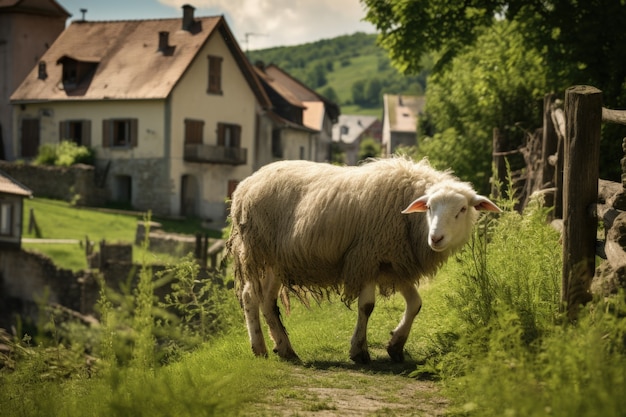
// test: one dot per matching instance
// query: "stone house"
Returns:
(27, 29)
(170, 106)
(400, 120)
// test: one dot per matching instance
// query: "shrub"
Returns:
(67, 153)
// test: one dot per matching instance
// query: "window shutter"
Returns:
(220, 134)
(236, 136)
(134, 124)
(106, 133)
(63, 130)
(86, 138)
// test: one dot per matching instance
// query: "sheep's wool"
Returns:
(324, 227)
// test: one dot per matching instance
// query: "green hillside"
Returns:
(351, 70)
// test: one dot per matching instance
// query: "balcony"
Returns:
(213, 154)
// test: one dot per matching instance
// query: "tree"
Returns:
(584, 41)
(498, 83)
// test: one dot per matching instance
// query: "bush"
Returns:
(66, 154)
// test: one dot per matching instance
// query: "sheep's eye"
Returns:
(463, 210)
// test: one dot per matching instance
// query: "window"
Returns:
(77, 131)
(6, 219)
(119, 133)
(215, 75)
(228, 135)
(194, 131)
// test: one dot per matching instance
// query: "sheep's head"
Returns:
(451, 213)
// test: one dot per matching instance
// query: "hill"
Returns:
(351, 70)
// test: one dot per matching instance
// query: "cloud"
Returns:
(284, 22)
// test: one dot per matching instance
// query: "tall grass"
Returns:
(511, 354)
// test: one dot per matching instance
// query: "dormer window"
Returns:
(76, 71)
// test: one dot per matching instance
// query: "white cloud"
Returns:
(284, 22)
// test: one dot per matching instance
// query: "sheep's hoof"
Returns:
(362, 357)
(396, 353)
(289, 356)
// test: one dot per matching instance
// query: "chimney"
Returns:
(188, 17)
(42, 72)
(164, 41)
(84, 12)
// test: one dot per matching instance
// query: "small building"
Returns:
(12, 195)
(351, 130)
(400, 120)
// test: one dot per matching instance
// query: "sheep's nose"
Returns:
(436, 238)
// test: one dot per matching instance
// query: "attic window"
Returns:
(215, 75)
(76, 71)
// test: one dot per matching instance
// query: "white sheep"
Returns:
(314, 226)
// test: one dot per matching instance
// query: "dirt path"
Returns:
(349, 391)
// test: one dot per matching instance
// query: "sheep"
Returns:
(319, 227)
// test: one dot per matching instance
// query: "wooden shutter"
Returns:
(106, 133)
(134, 130)
(236, 132)
(86, 132)
(220, 134)
(63, 130)
(215, 75)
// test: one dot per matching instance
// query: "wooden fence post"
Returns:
(583, 115)
(499, 163)
(550, 142)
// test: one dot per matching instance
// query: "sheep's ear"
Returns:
(419, 205)
(483, 203)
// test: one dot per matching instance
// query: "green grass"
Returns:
(489, 335)
(59, 220)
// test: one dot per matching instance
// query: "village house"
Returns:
(400, 120)
(27, 29)
(170, 106)
(12, 195)
(301, 121)
(351, 129)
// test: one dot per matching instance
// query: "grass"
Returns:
(56, 219)
(489, 340)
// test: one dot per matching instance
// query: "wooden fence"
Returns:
(567, 156)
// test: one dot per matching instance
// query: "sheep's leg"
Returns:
(253, 320)
(271, 312)
(399, 336)
(358, 351)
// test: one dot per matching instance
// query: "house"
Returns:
(27, 29)
(170, 107)
(351, 130)
(12, 196)
(400, 120)
(301, 121)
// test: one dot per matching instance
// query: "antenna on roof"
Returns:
(84, 12)
(247, 38)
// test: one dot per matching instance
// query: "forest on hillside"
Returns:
(350, 69)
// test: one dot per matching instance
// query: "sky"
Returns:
(257, 24)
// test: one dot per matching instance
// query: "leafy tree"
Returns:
(373, 88)
(499, 83)
(358, 92)
(330, 94)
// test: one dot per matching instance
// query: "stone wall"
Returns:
(28, 278)
(61, 183)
